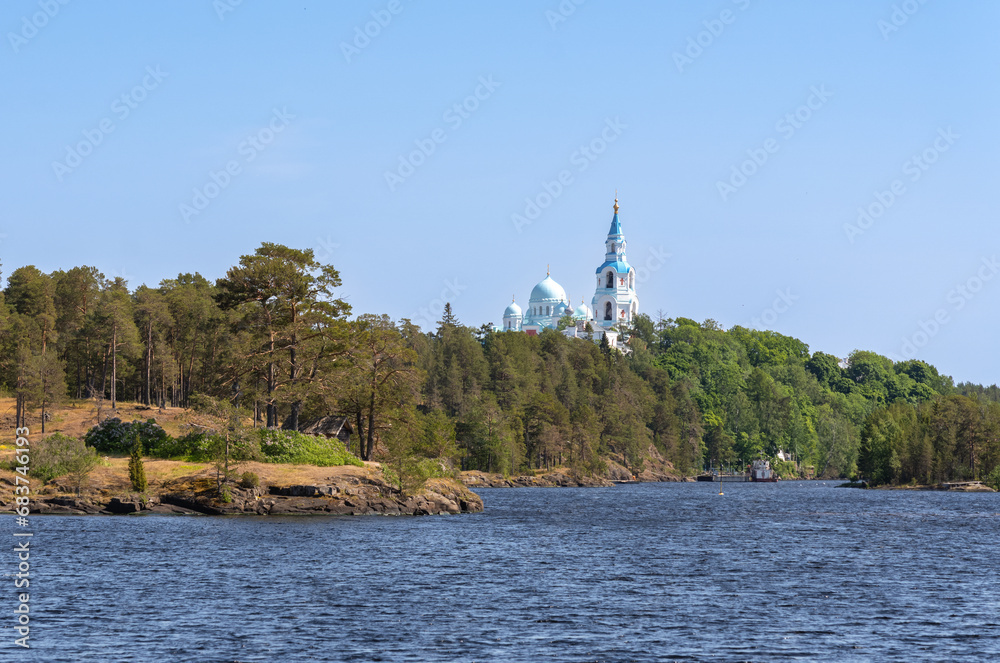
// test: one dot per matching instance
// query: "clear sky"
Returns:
(155, 138)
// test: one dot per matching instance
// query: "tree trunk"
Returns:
(371, 433)
(187, 385)
(272, 414)
(362, 449)
(114, 365)
(293, 373)
(104, 374)
(149, 361)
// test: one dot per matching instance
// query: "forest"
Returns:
(271, 339)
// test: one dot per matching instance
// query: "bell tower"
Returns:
(615, 300)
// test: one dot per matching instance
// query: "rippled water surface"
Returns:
(644, 572)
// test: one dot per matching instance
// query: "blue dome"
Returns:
(547, 291)
(513, 311)
(582, 312)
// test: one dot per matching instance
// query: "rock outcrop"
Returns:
(614, 474)
(345, 495)
(557, 478)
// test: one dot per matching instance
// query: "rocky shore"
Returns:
(566, 478)
(346, 495)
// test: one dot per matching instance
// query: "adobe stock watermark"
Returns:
(326, 247)
(899, 16)
(363, 35)
(21, 506)
(122, 107)
(249, 148)
(714, 27)
(223, 7)
(782, 303)
(786, 127)
(37, 21)
(654, 262)
(427, 317)
(454, 117)
(581, 159)
(958, 297)
(563, 11)
(913, 169)
(122, 274)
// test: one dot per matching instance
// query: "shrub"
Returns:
(113, 436)
(993, 480)
(46, 457)
(410, 473)
(193, 446)
(292, 447)
(249, 480)
(136, 470)
(784, 468)
(60, 454)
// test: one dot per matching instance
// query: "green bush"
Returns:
(194, 446)
(57, 455)
(113, 436)
(784, 468)
(410, 473)
(172, 448)
(993, 480)
(249, 480)
(291, 447)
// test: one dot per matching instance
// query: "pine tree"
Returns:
(605, 346)
(448, 319)
(136, 471)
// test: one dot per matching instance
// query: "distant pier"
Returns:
(724, 477)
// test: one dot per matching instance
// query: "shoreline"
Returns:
(182, 488)
(350, 496)
(442, 498)
(563, 478)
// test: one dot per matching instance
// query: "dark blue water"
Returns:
(644, 572)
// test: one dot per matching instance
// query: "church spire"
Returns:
(615, 233)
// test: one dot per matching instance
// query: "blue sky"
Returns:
(150, 139)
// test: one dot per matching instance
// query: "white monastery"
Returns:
(614, 303)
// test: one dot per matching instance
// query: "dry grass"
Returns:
(76, 417)
(111, 477)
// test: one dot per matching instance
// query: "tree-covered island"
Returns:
(225, 376)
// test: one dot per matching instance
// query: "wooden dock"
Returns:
(724, 477)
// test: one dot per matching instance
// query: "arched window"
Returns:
(547, 311)
(611, 279)
(608, 311)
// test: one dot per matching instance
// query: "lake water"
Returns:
(647, 572)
